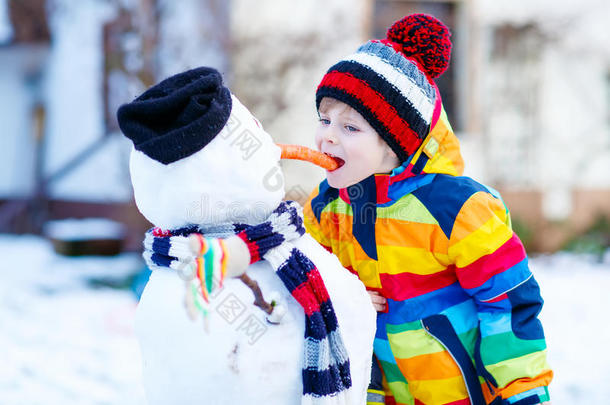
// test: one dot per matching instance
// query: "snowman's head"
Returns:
(200, 157)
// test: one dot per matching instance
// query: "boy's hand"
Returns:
(379, 302)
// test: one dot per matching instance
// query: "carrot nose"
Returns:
(304, 153)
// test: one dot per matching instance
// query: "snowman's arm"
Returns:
(235, 249)
(238, 256)
(238, 259)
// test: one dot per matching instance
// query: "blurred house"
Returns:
(22, 106)
(541, 112)
(528, 92)
(65, 68)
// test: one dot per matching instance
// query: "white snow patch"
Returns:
(66, 343)
(62, 341)
(575, 321)
(84, 229)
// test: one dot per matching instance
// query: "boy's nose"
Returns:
(330, 136)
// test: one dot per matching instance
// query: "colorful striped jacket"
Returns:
(461, 325)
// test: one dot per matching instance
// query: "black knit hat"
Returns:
(179, 116)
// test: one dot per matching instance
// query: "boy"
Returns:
(461, 323)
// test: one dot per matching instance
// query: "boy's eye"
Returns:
(325, 121)
(351, 129)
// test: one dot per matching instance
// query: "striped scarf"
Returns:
(326, 370)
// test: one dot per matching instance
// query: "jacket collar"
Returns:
(386, 188)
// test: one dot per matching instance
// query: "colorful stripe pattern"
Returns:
(326, 366)
(461, 325)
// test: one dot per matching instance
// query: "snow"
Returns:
(575, 319)
(62, 340)
(84, 229)
(65, 342)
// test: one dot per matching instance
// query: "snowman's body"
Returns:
(244, 359)
(241, 358)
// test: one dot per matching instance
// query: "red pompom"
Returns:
(425, 39)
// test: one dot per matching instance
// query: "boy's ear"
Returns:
(389, 152)
(392, 156)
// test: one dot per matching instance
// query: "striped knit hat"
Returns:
(390, 82)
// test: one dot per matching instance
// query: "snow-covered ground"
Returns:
(577, 326)
(63, 341)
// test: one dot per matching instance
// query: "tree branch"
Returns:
(259, 300)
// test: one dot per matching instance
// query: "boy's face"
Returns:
(345, 135)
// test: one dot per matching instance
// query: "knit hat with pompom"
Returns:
(390, 82)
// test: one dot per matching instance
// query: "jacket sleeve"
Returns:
(491, 266)
(312, 224)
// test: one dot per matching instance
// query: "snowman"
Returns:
(207, 175)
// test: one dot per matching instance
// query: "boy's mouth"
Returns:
(340, 162)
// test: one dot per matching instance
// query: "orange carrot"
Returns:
(300, 152)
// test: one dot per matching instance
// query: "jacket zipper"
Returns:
(451, 354)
